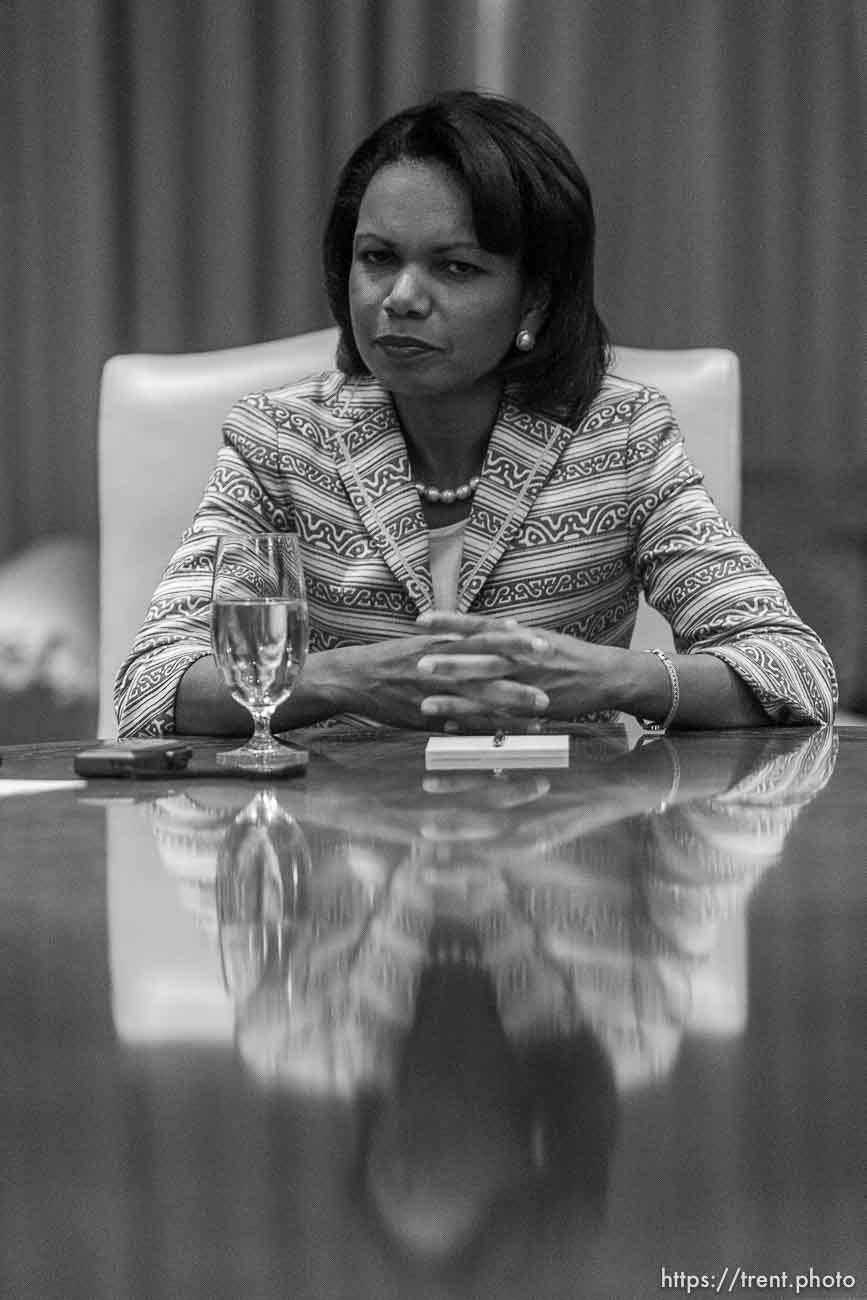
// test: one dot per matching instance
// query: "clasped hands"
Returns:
(472, 672)
(480, 673)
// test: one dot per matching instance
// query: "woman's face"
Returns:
(432, 312)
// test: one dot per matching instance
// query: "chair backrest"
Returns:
(160, 420)
(704, 388)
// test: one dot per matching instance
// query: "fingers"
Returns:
(464, 685)
(501, 701)
(478, 634)
(447, 620)
(451, 722)
(520, 646)
(439, 620)
(464, 667)
(470, 678)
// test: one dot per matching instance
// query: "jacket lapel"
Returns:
(374, 466)
(521, 454)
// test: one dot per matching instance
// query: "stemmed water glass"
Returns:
(259, 632)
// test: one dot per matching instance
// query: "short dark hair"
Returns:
(529, 199)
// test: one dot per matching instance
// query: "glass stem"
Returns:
(261, 737)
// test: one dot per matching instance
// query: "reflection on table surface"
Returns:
(382, 1032)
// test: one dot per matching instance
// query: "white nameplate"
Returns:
(444, 752)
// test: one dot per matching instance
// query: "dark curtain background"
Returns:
(165, 167)
(725, 144)
(165, 170)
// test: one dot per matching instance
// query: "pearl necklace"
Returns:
(447, 495)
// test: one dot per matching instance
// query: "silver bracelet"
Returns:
(669, 667)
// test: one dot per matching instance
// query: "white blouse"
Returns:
(446, 546)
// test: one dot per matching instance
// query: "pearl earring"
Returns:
(525, 341)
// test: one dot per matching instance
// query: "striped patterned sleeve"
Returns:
(177, 627)
(710, 585)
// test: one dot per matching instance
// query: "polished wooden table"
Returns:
(596, 1031)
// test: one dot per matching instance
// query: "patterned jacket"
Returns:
(567, 526)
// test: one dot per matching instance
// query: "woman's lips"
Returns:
(403, 345)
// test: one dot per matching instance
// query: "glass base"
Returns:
(276, 758)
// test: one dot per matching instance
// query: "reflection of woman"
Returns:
(596, 893)
(472, 464)
(482, 1010)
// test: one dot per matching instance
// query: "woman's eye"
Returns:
(375, 256)
(461, 269)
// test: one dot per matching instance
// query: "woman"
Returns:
(479, 502)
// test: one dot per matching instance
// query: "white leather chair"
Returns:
(160, 424)
(160, 421)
